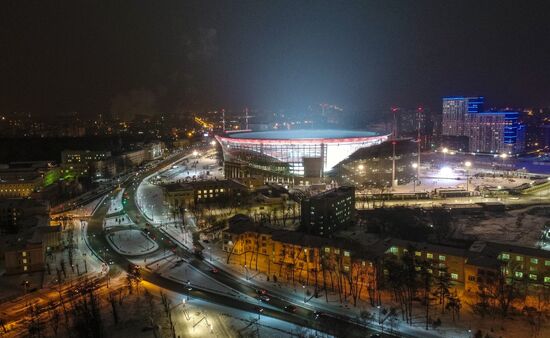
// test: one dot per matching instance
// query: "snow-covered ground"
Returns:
(131, 242)
(522, 226)
(433, 179)
(122, 220)
(116, 203)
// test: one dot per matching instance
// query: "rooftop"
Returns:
(305, 134)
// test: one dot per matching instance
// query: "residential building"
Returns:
(327, 212)
(486, 131)
(455, 110)
(24, 257)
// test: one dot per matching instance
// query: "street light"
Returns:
(445, 151)
(415, 166)
(503, 156)
(467, 164)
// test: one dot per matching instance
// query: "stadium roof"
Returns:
(304, 134)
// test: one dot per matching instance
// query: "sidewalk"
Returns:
(85, 263)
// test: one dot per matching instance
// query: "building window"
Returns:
(454, 276)
(337, 251)
(519, 274)
(547, 279)
(394, 250)
(505, 256)
(346, 253)
(24, 261)
(327, 249)
(24, 268)
(24, 254)
(346, 268)
(532, 276)
(534, 261)
(472, 278)
(430, 255)
(519, 258)
(441, 257)
(418, 253)
(546, 263)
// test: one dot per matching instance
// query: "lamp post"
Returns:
(415, 167)
(445, 151)
(503, 156)
(467, 164)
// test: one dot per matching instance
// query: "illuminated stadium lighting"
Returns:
(287, 150)
(446, 172)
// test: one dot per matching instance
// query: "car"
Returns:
(375, 335)
(258, 309)
(262, 291)
(317, 314)
(214, 270)
(290, 308)
(264, 298)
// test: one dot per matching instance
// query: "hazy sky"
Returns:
(58, 56)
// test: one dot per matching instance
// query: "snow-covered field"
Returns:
(521, 227)
(131, 242)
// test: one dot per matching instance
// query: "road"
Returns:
(331, 322)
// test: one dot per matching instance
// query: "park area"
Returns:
(131, 242)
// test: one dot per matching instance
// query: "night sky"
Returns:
(91, 56)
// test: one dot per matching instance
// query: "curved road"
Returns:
(334, 324)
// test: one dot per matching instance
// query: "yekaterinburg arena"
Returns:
(303, 153)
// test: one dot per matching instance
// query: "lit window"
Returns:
(24, 254)
(24, 268)
(505, 256)
(454, 276)
(24, 261)
(337, 251)
(346, 268)
(546, 263)
(441, 257)
(429, 255)
(418, 253)
(346, 253)
(534, 261)
(327, 249)
(394, 250)
(519, 258)
(547, 279)
(519, 274)
(532, 276)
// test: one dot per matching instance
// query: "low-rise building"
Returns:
(24, 257)
(188, 194)
(23, 179)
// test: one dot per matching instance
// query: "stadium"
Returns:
(302, 153)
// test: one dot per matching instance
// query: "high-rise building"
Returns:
(495, 132)
(455, 110)
(486, 131)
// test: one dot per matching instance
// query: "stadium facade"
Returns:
(293, 153)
